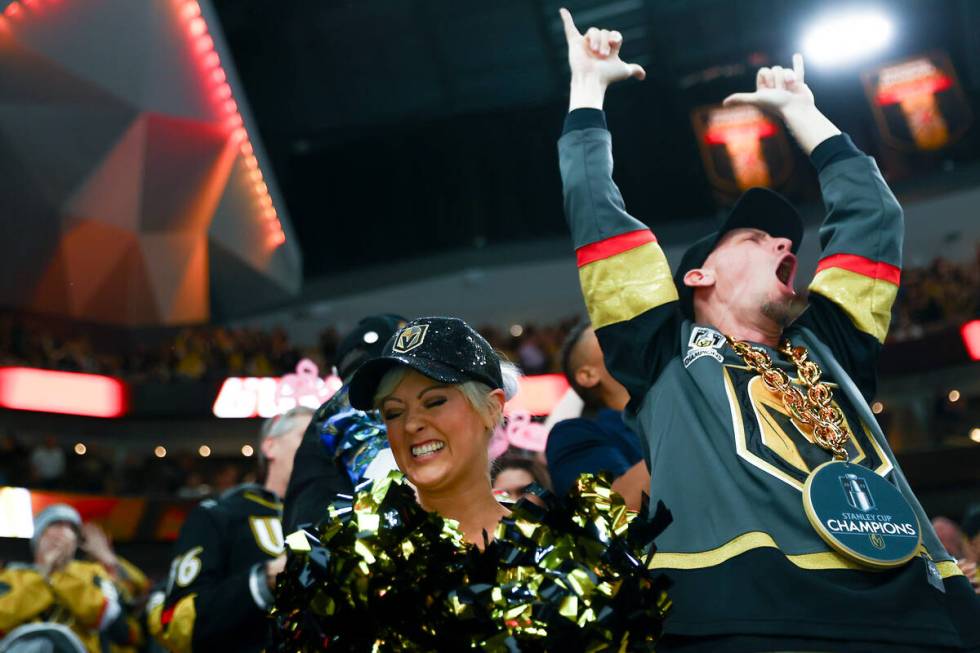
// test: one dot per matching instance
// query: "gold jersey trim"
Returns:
(274, 505)
(759, 540)
(621, 287)
(867, 301)
(177, 635)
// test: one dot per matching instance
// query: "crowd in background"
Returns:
(940, 294)
(931, 297)
(48, 464)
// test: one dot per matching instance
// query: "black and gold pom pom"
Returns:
(382, 574)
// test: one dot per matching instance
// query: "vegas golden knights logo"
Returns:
(410, 338)
(768, 437)
(268, 534)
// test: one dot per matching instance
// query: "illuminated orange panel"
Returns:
(70, 393)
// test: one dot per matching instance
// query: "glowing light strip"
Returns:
(209, 60)
(67, 393)
(244, 397)
(971, 338)
(189, 12)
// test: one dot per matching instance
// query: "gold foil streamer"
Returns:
(389, 576)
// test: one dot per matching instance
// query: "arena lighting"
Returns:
(216, 78)
(953, 396)
(204, 450)
(80, 448)
(538, 394)
(877, 407)
(160, 452)
(975, 435)
(68, 393)
(971, 338)
(247, 450)
(16, 514)
(846, 37)
(245, 397)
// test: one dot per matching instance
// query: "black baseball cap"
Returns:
(446, 349)
(366, 341)
(757, 208)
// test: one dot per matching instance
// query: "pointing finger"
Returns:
(571, 32)
(798, 68)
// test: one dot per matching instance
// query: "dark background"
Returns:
(400, 128)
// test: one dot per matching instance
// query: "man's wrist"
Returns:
(587, 91)
(808, 125)
(258, 586)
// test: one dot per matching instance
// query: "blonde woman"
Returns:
(441, 390)
(444, 566)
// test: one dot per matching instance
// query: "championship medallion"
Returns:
(861, 515)
(858, 513)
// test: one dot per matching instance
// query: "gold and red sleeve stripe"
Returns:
(865, 289)
(623, 277)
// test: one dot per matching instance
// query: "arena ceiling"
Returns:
(404, 128)
(134, 190)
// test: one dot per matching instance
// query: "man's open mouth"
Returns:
(786, 270)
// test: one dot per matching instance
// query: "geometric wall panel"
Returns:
(126, 158)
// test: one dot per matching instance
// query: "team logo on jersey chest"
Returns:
(769, 438)
(704, 342)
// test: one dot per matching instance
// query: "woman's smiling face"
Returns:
(438, 438)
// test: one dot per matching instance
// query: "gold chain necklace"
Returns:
(815, 407)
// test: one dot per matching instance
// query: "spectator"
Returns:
(228, 555)
(971, 558)
(951, 536)
(341, 444)
(598, 441)
(12, 456)
(57, 590)
(48, 463)
(512, 473)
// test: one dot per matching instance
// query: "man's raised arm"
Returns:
(857, 278)
(625, 279)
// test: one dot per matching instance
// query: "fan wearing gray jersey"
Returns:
(725, 451)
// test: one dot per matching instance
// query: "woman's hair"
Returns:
(512, 459)
(476, 392)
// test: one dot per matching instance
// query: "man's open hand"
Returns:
(594, 61)
(96, 544)
(785, 92)
(777, 88)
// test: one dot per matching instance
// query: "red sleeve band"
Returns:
(863, 266)
(611, 246)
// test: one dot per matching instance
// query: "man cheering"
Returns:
(794, 528)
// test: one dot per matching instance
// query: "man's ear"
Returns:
(268, 447)
(699, 278)
(587, 376)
